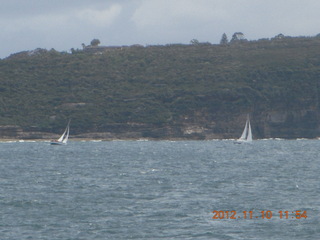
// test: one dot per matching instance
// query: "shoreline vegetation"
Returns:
(196, 91)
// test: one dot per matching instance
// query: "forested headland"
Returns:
(174, 91)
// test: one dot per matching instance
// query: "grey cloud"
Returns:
(65, 24)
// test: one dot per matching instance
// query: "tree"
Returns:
(237, 37)
(194, 42)
(279, 36)
(224, 39)
(95, 42)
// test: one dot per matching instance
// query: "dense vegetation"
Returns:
(203, 84)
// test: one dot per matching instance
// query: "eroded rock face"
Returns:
(292, 124)
(10, 131)
(270, 124)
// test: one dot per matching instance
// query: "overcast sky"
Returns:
(66, 24)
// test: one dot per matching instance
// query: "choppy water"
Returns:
(158, 190)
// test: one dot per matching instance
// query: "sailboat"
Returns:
(64, 137)
(246, 136)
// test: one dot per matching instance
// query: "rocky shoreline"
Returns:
(272, 124)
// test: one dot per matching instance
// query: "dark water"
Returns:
(159, 190)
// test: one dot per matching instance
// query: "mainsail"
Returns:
(246, 135)
(64, 137)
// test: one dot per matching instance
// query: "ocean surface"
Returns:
(160, 190)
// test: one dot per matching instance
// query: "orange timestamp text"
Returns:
(297, 214)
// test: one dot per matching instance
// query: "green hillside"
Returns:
(162, 91)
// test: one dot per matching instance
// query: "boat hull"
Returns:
(242, 142)
(57, 143)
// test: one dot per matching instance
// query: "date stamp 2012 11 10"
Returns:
(297, 214)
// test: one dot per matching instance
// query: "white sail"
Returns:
(67, 136)
(249, 136)
(64, 137)
(246, 134)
